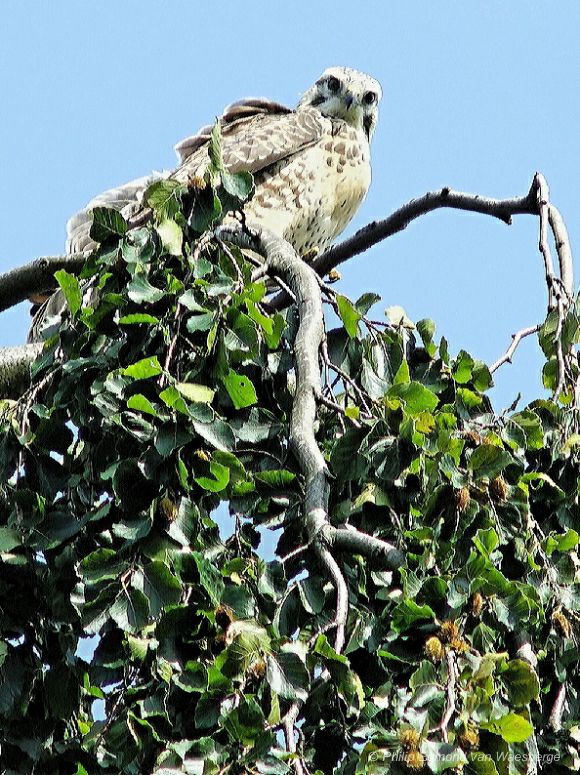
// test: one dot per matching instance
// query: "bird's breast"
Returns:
(311, 197)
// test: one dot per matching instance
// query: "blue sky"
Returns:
(477, 96)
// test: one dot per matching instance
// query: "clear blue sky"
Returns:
(477, 96)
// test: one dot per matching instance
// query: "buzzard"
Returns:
(311, 165)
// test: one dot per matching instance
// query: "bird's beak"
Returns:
(348, 100)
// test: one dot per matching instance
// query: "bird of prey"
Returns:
(311, 165)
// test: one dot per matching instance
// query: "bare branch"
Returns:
(37, 277)
(352, 540)
(563, 249)
(543, 194)
(450, 694)
(377, 231)
(289, 729)
(557, 711)
(15, 363)
(516, 339)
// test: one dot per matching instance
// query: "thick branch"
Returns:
(35, 278)
(15, 365)
(282, 260)
(563, 249)
(375, 549)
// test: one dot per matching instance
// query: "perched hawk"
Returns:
(311, 165)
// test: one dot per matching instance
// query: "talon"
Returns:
(310, 254)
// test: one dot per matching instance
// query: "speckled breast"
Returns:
(311, 197)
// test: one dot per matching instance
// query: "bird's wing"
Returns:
(246, 108)
(79, 226)
(253, 137)
(255, 133)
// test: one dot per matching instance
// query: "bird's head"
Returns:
(341, 92)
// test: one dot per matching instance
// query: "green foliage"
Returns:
(169, 395)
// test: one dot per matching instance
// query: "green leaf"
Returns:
(221, 478)
(481, 764)
(215, 149)
(210, 578)
(511, 727)
(462, 368)
(171, 236)
(107, 223)
(71, 289)
(159, 585)
(426, 329)
(143, 369)
(141, 403)
(201, 394)
(101, 565)
(164, 197)
(488, 460)
(130, 610)
(415, 396)
(407, 612)
(218, 433)
(366, 301)
(521, 681)
(276, 478)
(287, 676)
(141, 291)
(240, 389)
(138, 317)
(207, 210)
(349, 315)
(442, 756)
(239, 185)
(193, 678)
(9, 539)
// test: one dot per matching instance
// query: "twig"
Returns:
(337, 408)
(289, 728)
(557, 711)
(344, 376)
(450, 694)
(543, 194)
(516, 339)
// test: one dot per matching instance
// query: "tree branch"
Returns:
(377, 231)
(15, 363)
(557, 710)
(375, 549)
(36, 277)
(516, 339)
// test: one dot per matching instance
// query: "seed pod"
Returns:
(414, 760)
(462, 499)
(459, 645)
(561, 624)
(434, 649)
(409, 738)
(499, 489)
(473, 437)
(469, 738)
(477, 603)
(448, 631)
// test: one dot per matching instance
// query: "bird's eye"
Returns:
(369, 98)
(333, 84)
